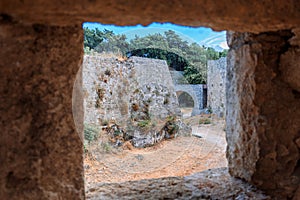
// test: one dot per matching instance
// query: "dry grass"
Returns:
(118, 56)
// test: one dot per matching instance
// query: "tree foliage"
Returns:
(179, 54)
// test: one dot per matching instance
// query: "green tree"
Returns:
(179, 54)
(92, 37)
(212, 54)
(223, 53)
(195, 75)
(175, 41)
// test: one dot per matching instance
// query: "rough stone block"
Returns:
(40, 149)
(263, 115)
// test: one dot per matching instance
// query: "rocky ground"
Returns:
(138, 173)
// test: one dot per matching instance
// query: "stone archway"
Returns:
(186, 103)
(196, 92)
(184, 99)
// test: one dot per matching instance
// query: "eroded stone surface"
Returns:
(210, 184)
(136, 94)
(263, 117)
(289, 66)
(238, 15)
(216, 86)
(40, 150)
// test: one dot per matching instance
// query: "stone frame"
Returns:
(38, 71)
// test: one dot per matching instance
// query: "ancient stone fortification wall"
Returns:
(40, 150)
(136, 94)
(118, 81)
(216, 86)
(263, 115)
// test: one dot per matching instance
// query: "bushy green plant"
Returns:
(179, 54)
(144, 123)
(209, 110)
(90, 132)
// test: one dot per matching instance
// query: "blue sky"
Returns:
(201, 35)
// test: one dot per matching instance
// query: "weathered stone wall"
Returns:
(40, 150)
(136, 94)
(216, 86)
(263, 115)
(247, 16)
(119, 81)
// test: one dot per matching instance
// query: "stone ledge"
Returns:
(210, 184)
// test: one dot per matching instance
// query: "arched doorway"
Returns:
(186, 103)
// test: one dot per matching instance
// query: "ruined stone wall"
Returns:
(40, 149)
(118, 81)
(216, 86)
(136, 94)
(263, 115)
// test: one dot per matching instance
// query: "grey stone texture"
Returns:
(210, 184)
(196, 92)
(263, 115)
(40, 150)
(216, 86)
(136, 94)
(119, 81)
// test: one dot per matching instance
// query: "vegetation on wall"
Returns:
(179, 54)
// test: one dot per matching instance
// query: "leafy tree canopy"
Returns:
(179, 54)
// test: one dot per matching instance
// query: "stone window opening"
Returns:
(185, 99)
(41, 153)
(107, 79)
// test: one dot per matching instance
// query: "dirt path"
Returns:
(178, 157)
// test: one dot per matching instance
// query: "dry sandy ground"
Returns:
(178, 157)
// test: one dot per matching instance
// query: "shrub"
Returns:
(144, 123)
(90, 132)
(209, 110)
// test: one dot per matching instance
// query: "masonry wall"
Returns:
(136, 94)
(196, 92)
(216, 86)
(40, 149)
(119, 81)
(263, 115)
